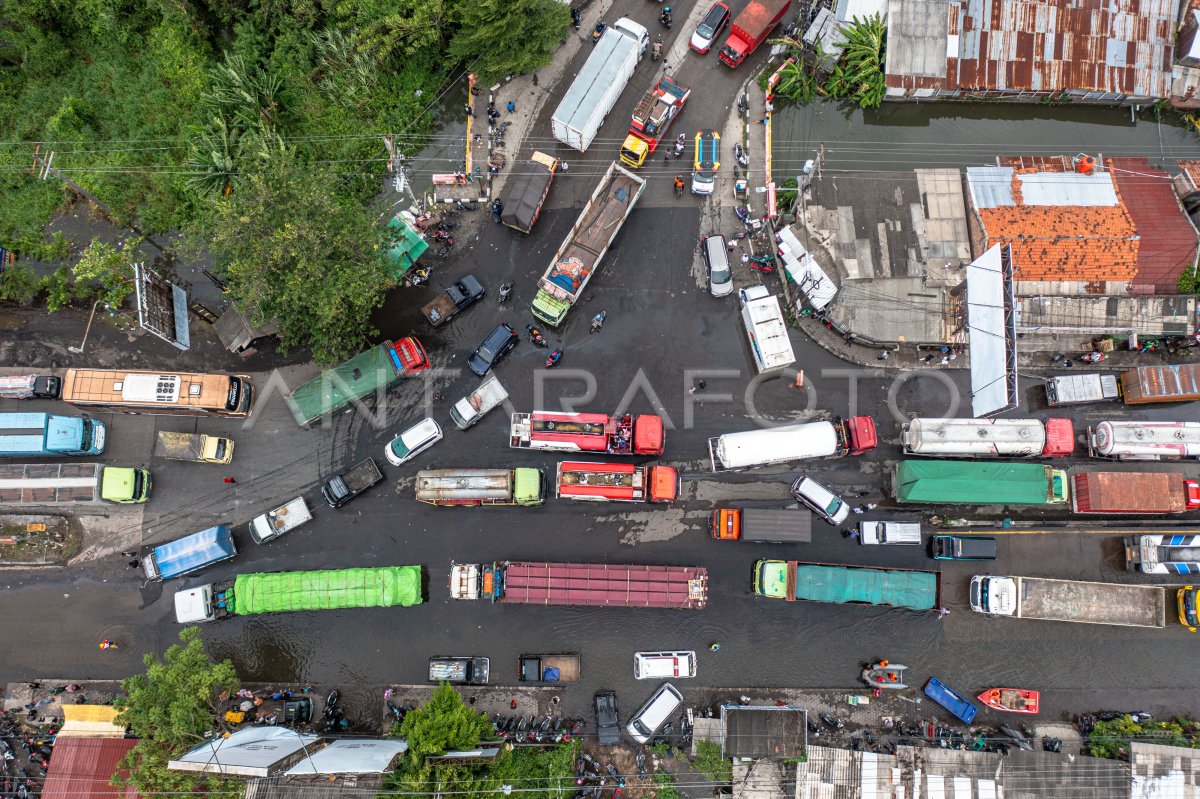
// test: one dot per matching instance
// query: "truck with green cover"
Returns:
(822, 582)
(979, 483)
(364, 377)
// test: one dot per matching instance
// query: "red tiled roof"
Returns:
(1168, 240)
(1191, 168)
(82, 767)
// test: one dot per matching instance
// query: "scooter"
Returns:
(418, 276)
(665, 17)
(505, 293)
(553, 358)
(743, 213)
(598, 31)
(535, 336)
(741, 156)
(598, 321)
(656, 50)
(576, 18)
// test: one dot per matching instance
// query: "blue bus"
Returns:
(26, 435)
(950, 699)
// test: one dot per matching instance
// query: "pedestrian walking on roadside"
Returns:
(943, 361)
(732, 245)
(229, 481)
(701, 384)
(563, 166)
(763, 121)
(871, 505)
(943, 612)
(512, 106)
(745, 257)
(470, 110)
(928, 358)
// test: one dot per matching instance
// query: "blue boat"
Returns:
(950, 699)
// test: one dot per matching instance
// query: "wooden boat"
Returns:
(1011, 700)
(884, 675)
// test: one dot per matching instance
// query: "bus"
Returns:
(175, 394)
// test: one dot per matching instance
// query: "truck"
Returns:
(189, 554)
(988, 438)
(47, 434)
(1044, 599)
(1081, 389)
(1144, 441)
(473, 407)
(460, 670)
(366, 376)
(1163, 554)
(599, 83)
(30, 387)
(651, 117)
(768, 334)
(795, 442)
(588, 432)
(1156, 493)
(524, 487)
(579, 256)
(196, 447)
(548, 668)
(756, 526)
(277, 521)
(616, 482)
(279, 592)
(822, 582)
(1146, 384)
(72, 484)
(979, 483)
(341, 488)
(595, 584)
(751, 28)
(526, 190)
(454, 299)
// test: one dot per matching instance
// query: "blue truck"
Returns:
(950, 699)
(25, 435)
(190, 553)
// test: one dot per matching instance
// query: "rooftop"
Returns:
(82, 767)
(1163, 772)
(777, 732)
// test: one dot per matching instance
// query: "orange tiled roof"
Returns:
(1191, 168)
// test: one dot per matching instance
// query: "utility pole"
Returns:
(43, 168)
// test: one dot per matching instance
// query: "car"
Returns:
(716, 256)
(658, 708)
(963, 547)
(663, 665)
(499, 342)
(710, 28)
(608, 723)
(708, 161)
(413, 441)
(823, 502)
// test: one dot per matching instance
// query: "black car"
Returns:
(963, 547)
(608, 724)
(499, 343)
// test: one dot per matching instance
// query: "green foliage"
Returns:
(551, 770)
(1111, 738)
(1189, 281)
(709, 762)
(662, 749)
(442, 724)
(858, 75)
(108, 270)
(787, 194)
(57, 288)
(798, 82)
(501, 37)
(665, 786)
(18, 283)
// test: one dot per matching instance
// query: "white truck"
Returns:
(276, 522)
(1080, 389)
(473, 407)
(195, 447)
(988, 438)
(599, 83)
(1124, 605)
(768, 333)
(1144, 441)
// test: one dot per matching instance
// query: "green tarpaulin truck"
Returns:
(822, 582)
(362, 378)
(979, 483)
(280, 592)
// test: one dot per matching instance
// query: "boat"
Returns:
(884, 674)
(1011, 700)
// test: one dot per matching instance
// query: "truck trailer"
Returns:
(979, 483)
(821, 582)
(72, 484)
(1144, 441)
(751, 28)
(1070, 600)
(1147, 384)
(588, 432)
(524, 487)
(190, 553)
(651, 118)
(364, 377)
(794, 442)
(30, 435)
(526, 190)
(1157, 493)
(756, 526)
(988, 438)
(768, 333)
(1081, 389)
(195, 447)
(599, 83)
(595, 584)
(30, 387)
(616, 482)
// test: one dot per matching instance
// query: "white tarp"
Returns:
(251, 752)
(350, 757)
(810, 278)
(993, 377)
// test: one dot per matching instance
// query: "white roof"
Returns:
(250, 752)
(351, 757)
(810, 278)
(987, 335)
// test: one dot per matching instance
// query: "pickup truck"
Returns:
(548, 668)
(456, 298)
(459, 670)
(285, 518)
(473, 407)
(195, 447)
(342, 488)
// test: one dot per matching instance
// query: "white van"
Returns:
(413, 441)
(663, 665)
(654, 714)
(716, 256)
(889, 533)
(821, 500)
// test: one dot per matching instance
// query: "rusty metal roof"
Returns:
(82, 767)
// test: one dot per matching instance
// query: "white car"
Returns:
(413, 441)
(663, 665)
(716, 257)
(823, 502)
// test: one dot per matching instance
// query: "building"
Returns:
(1163, 772)
(82, 768)
(249, 752)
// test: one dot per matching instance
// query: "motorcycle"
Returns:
(535, 336)
(743, 213)
(665, 17)
(656, 50)
(418, 276)
(741, 156)
(576, 18)
(505, 293)
(763, 263)
(680, 145)
(553, 358)
(598, 321)
(641, 765)
(598, 31)
(832, 722)
(497, 209)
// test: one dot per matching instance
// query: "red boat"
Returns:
(1011, 700)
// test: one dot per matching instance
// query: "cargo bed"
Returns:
(1093, 603)
(533, 668)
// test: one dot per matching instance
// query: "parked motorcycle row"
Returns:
(550, 729)
(15, 779)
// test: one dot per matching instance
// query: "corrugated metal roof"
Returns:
(82, 767)
(1067, 188)
(990, 186)
(1168, 238)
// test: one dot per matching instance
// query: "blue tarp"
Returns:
(550, 674)
(193, 552)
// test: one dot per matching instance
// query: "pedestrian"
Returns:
(1068, 364)
(563, 166)
(733, 243)
(872, 505)
(692, 390)
(512, 106)
(943, 612)
(745, 257)
(953, 354)
(666, 158)
(883, 356)
(134, 563)
(701, 384)
(513, 704)
(230, 481)
(859, 509)
(470, 111)
(763, 121)
(928, 358)
(943, 361)
(846, 531)
(131, 554)
(768, 106)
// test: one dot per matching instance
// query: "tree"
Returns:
(444, 723)
(709, 762)
(171, 708)
(858, 75)
(107, 269)
(509, 36)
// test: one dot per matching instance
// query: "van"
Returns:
(716, 256)
(413, 441)
(663, 665)
(889, 533)
(821, 500)
(654, 714)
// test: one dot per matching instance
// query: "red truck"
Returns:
(597, 584)
(1133, 492)
(588, 432)
(617, 482)
(751, 28)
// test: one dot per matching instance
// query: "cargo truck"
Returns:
(190, 553)
(29, 435)
(988, 438)
(72, 484)
(473, 407)
(1081, 389)
(1156, 493)
(1070, 600)
(763, 320)
(751, 28)
(30, 387)
(651, 118)
(756, 526)
(364, 377)
(274, 523)
(595, 584)
(1144, 441)
(616, 482)
(342, 488)
(460, 670)
(599, 83)
(979, 483)
(455, 299)
(548, 668)
(195, 447)
(1146, 384)
(526, 190)
(820, 582)
(795, 442)
(588, 432)
(579, 256)
(524, 487)
(1163, 554)
(278, 592)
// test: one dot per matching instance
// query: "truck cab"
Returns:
(993, 596)
(202, 603)
(126, 485)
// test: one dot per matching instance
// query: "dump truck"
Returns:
(595, 584)
(30, 387)
(762, 318)
(1146, 384)
(588, 432)
(1070, 600)
(341, 488)
(1081, 389)
(1174, 553)
(1144, 441)
(196, 447)
(525, 487)
(280, 592)
(277, 521)
(526, 190)
(30, 435)
(190, 553)
(988, 438)
(616, 482)
(751, 28)
(548, 668)
(651, 118)
(756, 526)
(1156, 493)
(822, 582)
(599, 83)
(473, 407)
(794, 442)
(453, 300)
(72, 484)
(979, 483)
(364, 377)
(579, 256)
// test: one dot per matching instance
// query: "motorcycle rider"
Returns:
(665, 17)
(679, 184)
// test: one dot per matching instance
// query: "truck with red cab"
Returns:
(616, 482)
(1155, 493)
(588, 432)
(651, 118)
(751, 28)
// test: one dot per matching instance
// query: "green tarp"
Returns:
(358, 378)
(900, 589)
(404, 246)
(967, 483)
(277, 592)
